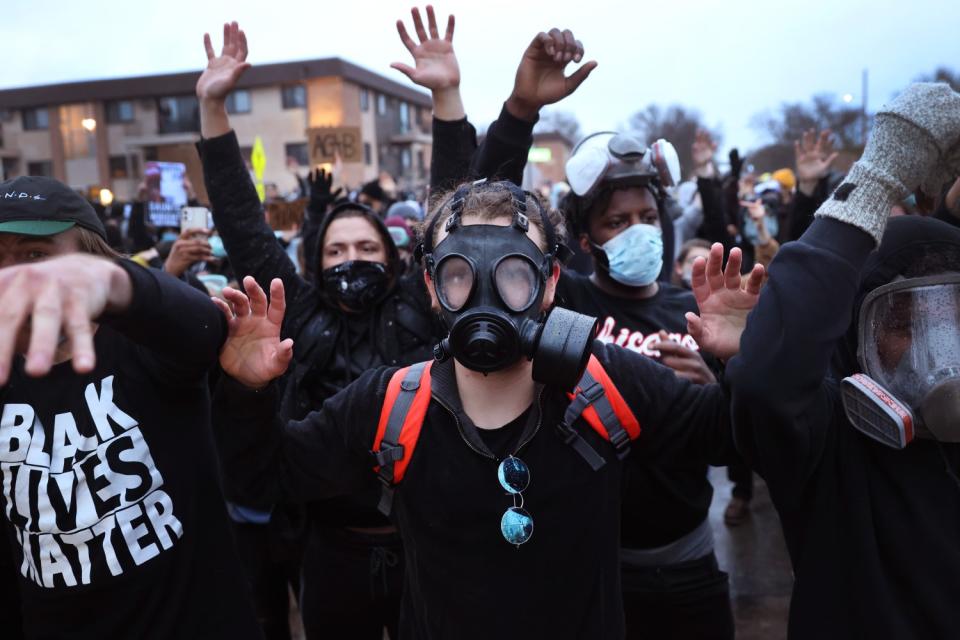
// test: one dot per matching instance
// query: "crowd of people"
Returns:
(490, 412)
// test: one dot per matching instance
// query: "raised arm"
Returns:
(436, 68)
(250, 243)
(784, 406)
(814, 155)
(540, 81)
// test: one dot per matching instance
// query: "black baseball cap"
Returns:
(38, 206)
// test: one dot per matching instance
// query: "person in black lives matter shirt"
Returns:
(111, 500)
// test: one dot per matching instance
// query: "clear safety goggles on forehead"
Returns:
(515, 279)
(621, 159)
(909, 335)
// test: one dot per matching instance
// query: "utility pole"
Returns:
(863, 109)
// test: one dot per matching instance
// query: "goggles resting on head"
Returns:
(621, 160)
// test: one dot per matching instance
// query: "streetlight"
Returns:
(848, 98)
(89, 124)
(106, 197)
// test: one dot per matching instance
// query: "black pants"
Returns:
(351, 585)
(687, 601)
(272, 566)
(742, 478)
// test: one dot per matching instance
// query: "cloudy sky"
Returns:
(730, 60)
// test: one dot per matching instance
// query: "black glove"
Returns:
(320, 196)
(736, 163)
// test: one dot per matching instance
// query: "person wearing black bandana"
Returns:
(359, 313)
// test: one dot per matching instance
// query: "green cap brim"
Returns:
(36, 227)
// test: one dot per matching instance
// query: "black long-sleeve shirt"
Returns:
(110, 489)
(462, 578)
(872, 532)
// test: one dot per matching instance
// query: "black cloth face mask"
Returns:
(357, 285)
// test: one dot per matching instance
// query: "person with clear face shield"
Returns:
(359, 313)
(846, 390)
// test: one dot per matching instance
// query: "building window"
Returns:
(118, 167)
(404, 117)
(44, 168)
(421, 165)
(238, 102)
(6, 115)
(381, 104)
(178, 114)
(367, 154)
(364, 100)
(298, 151)
(405, 159)
(119, 111)
(135, 166)
(294, 96)
(10, 168)
(35, 119)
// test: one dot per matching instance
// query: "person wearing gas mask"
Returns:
(671, 581)
(499, 481)
(360, 313)
(863, 470)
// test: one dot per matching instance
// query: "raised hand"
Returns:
(59, 297)
(435, 62)
(540, 77)
(702, 151)
(725, 298)
(253, 353)
(321, 190)
(814, 155)
(223, 71)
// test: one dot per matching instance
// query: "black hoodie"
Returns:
(873, 533)
(331, 348)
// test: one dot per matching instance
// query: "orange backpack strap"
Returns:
(404, 409)
(597, 400)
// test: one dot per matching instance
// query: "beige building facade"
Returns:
(99, 134)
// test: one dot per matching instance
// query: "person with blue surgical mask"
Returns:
(617, 208)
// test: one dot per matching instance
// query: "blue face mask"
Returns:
(750, 228)
(169, 236)
(216, 247)
(636, 255)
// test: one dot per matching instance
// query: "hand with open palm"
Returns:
(814, 155)
(725, 298)
(223, 71)
(436, 65)
(253, 353)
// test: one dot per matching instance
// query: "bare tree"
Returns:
(824, 112)
(943, 74)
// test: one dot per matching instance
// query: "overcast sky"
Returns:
(728, 59)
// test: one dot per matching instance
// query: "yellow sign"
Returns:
(258, 160)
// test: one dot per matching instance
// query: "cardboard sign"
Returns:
(326, 143)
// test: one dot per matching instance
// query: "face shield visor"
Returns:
(909, 350)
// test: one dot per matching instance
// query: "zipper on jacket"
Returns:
(460, 429)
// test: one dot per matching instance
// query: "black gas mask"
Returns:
(357, 285)
(490, 281)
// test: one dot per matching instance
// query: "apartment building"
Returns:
(98, 134)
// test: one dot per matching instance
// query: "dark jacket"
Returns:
(872, 532)
(463, 580)
(331, 347)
